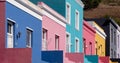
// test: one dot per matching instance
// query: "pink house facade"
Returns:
(88, 39)
(53, 31)
(53, 35)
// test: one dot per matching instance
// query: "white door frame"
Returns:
(10, 35)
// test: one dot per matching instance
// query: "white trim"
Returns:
(31, 36)
(11, 20)
(57, 42)
(76, 11)
(80, 3)
(102, 34)
(36, 11)
(28, 7)
(67, 33)
(29, 28)
(99, 30)
(52, 17)
(69, 22)
(76, 38)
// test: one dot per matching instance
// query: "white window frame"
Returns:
(44, 40)
(31, 37)
(11, 22)
(68, 43)
(77, 45)
(68, 20)
(85, 45)
(57, 43)
(77, 19)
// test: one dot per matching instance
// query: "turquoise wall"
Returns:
(71, 27)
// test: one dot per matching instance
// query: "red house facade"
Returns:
(88, 39)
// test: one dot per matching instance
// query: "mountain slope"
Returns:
(104, 10)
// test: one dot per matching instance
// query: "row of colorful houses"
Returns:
(54, 31)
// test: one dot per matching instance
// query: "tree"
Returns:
(89, 4)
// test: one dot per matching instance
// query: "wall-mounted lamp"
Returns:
(18, 35)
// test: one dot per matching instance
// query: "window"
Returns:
(118, 55)
(10, 27)
(118, 41)
(10, 34)
(111, 53)
(56, 42)
(111, 35)
(68, 11)
(96, 48)
(68, 44)
(101, 49)
(84, 40)
(90, 47)
(114, 54)
(29, 38)
(77, 20)
(77, 45)
(114, 38)
(44, 39)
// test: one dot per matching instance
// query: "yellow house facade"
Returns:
(100, 37)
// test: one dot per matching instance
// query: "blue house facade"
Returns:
(24, 28)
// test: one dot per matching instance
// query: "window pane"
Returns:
(56, 42)
(44, 39)
(29, 38)
(68, 43)
(68, 13)
(77, 45)
(9, 28)
(77, 20)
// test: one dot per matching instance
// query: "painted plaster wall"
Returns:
(100, 41)
(2, 24)
(91, 59)
(54, 29)
(56, 5)
(71, 27)
(23, 20)
(112, 40)
(89, 36)
(118, 43)
(17, 55)
(104, 59)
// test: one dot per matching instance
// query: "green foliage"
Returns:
(106, 16)
(89, 4)
(117, 20)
